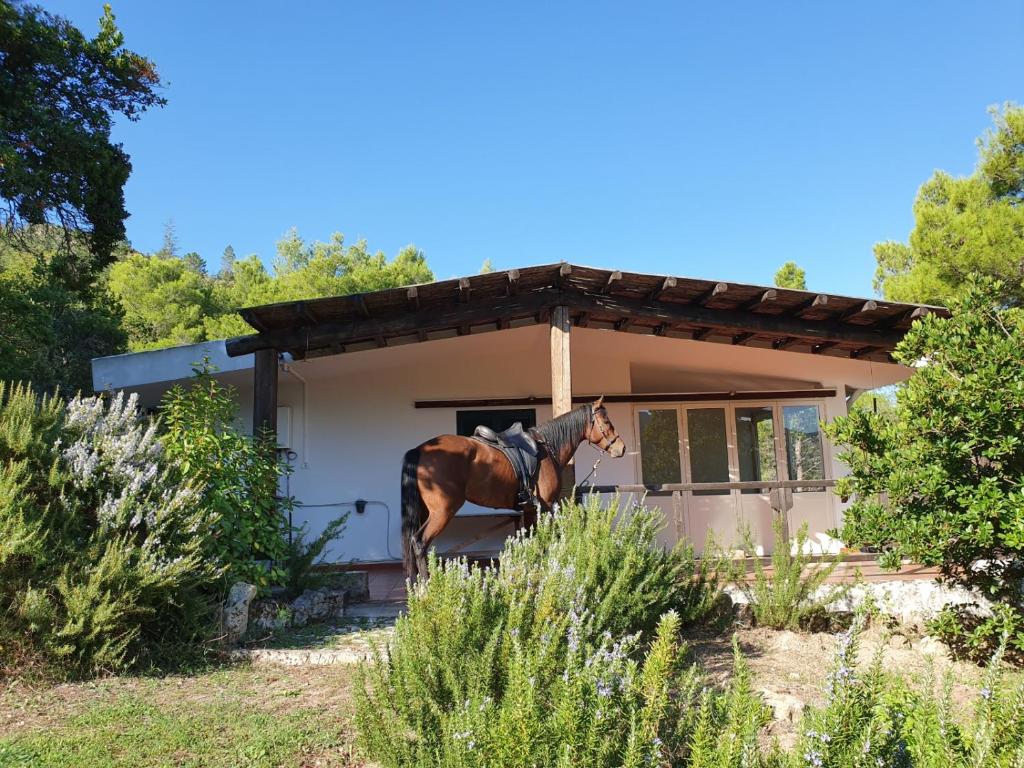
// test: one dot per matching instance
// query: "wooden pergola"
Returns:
(563, 296)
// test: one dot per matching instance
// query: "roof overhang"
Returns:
(728, 313)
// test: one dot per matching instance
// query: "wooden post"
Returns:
(264, 393)
(561, 380)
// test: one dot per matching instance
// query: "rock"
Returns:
(317, 605)
(932, 646)
(236, 611)
(784, 706)
(270, 614)
(743, 615)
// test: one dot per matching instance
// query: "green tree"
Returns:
(791, 276)
(59, 91)
(164, 301)
(966, 225)
(170, 301)
(941, 479)
(51, 330)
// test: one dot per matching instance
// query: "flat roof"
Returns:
(704, 310)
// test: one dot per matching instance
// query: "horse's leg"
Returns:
(442, 509)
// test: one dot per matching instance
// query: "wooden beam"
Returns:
(821, 300)
(729, 321)
(612, 278)
(659, 397)
(561, 380)
(561, 367)
(250, 317)
(264, 400)
(464, 289)
(425, 320)
(512, 278)
(538, 303)
(305, 314)
(770, 295)
(412, 295)
(670, 282)
(716, 290)
(868, 306)
(361, 304)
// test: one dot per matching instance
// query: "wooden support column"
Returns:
(264, 400)
(561, 380)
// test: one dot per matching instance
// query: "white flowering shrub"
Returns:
(101, 541)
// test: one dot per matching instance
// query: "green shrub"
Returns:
(542, 661)
(302, 556)
(949, 459)
(874, 719)
(238, 476)
(101, 544)
(791, 596)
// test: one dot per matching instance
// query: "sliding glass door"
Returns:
(729, 442)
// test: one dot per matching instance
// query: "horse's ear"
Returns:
(597, 403)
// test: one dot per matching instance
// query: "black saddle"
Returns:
(523, 450)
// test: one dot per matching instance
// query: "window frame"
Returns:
(729, 406)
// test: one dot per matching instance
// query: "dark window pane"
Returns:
(755, 443)
(659, 447)
(709, 448)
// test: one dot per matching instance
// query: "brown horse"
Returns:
(442, 474)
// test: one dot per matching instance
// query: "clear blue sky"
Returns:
(713, 140)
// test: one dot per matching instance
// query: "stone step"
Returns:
(378, 609)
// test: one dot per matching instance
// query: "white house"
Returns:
(718, 390)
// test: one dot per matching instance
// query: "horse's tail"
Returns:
(412, 508)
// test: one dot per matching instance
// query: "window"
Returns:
(499, 420)
(755, 443)
(659, 446)
(804, 455)
(726, 442)
(708, 448)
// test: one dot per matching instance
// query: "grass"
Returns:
(228, 717)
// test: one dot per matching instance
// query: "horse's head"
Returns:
(601, 431)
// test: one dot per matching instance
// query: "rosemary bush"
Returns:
(790, 597)
(101, 542)
(545, 661)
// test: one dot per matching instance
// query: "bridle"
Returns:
(606, 441)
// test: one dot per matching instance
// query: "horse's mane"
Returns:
(569, 428)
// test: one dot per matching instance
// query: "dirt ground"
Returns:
(790, 668)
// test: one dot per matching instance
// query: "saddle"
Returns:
(523, 450)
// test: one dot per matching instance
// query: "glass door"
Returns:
(708, 461)
(757, 457)
(727, 442)
(804, 456)
(658, 429)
